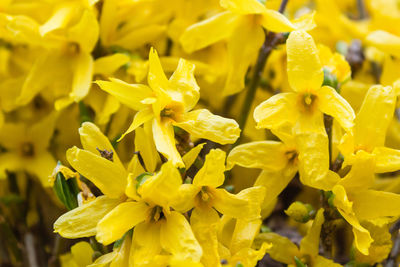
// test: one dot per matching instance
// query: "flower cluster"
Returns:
(213, 133)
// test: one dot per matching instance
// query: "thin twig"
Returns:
(362, 12)
(30, 249)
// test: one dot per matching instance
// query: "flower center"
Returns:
(27, 149)
(156, 214)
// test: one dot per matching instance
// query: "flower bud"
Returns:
(300, 212)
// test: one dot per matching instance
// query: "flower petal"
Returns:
(303, 64)
(202, 123)
(331, 103)
(142, 116)
(164, 138)
(82, 221)
(209, 31)
(276, 111)
(145, 244)
(282, 250)
(243, 7)
(176, 237)
(266, 155)
(121, 219)
(127, 94)
(109, 177)
(309, 245)
(185, 199)
(190, 157)
(385, 41)
(387, 159)
(212, 172)
(145, 145)
(374, 117)
(274, 21)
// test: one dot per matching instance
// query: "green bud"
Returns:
(66, 190)
(300, 212)
(265, 229)
(330, 79)
(299, 263)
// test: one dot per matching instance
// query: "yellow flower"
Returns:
(80, 256)
(283, 250)
(26, 148)
(243, 20)
(335, 63)
(304, 108)
(168, 103)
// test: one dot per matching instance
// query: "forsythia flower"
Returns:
(168, 103)
(304, 109)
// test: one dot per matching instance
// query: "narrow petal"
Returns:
(142, 116)
(190, 157)
(385, 41)
(42, 165)
(387, 159)
(312, 144)
(243, 7)
(244, 234)
(202, 123)
(42, 131)
(245, 205)
(107, 65)
(331, 103)
(176, 237)
(156, 77)
(303, 64)
(9, 162)
(320, 261)
(110, 178)
(127, 94)
(212, 172)
(374, 117)
(185, 199)
(164, 138)
(209, 31)
(145, 244)
(204, 223)
(145, 145)
(362, 237)
(161, 188)
(183, 82)
(121, 219)
(92, 139)
(282, 250)
(274, 21)
(310, 243)
(371, 204)
(266, 155)
(242, 54)
(82, 79)
(277, 110)
(82, 221)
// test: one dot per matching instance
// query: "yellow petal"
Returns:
(202, 123)
(387, 159)
(243, 6)
(320, 261)
(371, 204)
(374, 117)
(121, 219)
(82, 221)
(85, 32)
(274, 183)
(183, 82)
(362, 237)
(176, 237)
(145, 244)
(361, 175)
(212, 172)
(140, 36)
(209, 31)
(185, 199)
(385, 41)
(59, 19)
(204, 223)
(92, 139)
(331, 103)
(82, 253)
(109, 177)
(41, 166)
(9, 162)
(310, 243)
(244, 205)
(42, 131)
(277, 110)
(190, 157)
(242, 54)
(274, 21)
(107, 65)
(266, 155)
(156, 77)
(145, 145)
(161, 188)
(164, 138)
(82, 79)
(282, 250)
(303, 64)
(305, 22)
(244, 234)
(142, 116)
(312, 145)
(128, 94)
